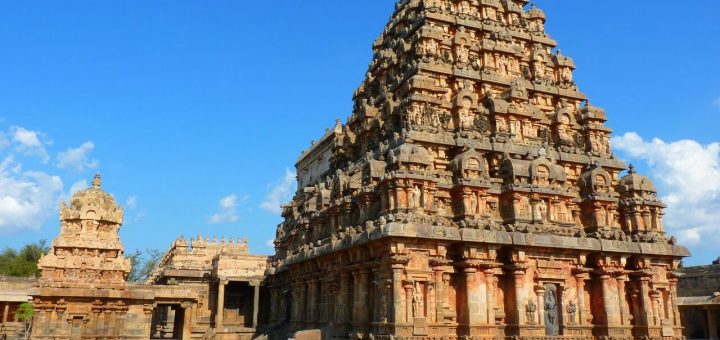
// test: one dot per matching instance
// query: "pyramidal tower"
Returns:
(83, 292)
(472, 193)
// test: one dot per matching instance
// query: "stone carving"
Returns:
(470, 159)
(418, 303)
(530, 312)
(88, 251)
(572, 312)
(552, 316)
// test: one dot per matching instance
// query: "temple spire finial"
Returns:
(97, 181)
(631, 169)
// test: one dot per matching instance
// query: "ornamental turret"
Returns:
(88, 251)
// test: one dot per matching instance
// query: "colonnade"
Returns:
(475, 298)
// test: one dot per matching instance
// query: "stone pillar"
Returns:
(519, 276)
(621, 300)
(490, 281)
(439, 295)
(273, 305)
(397, 303)
(408, 302)
(580, 287)
(187, 321)
(610, 303)
(219, 314)
(673, 297)
(325, 295)
(646, 305)
(311, 305)
(256, 303)
(302, 302)
(712, 324)
(356, 301)
(655, 298)
(540, 294)
(6, 312)
(363, 301)
(343, 308)
(472, 291)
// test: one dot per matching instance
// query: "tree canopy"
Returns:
(23, 262)
(143, 264)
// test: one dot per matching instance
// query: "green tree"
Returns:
(22, 263)
(24, 314)
(143, 264)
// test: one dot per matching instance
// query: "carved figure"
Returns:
(530, 311)
(551, 311)
(572, 311)
(418, 307)
(416, 197)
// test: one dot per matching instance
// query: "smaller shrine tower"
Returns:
(82, 291)
(88, 252)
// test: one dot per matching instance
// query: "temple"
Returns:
(200, 289)
(472, 193)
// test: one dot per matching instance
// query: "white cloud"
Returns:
(77, 158)
(716, 102)
(78, 186)
(27, 198)
(4, 142)
(227, 212)
(131, 202)
(687, 175)
(29, 142)
(280, 193)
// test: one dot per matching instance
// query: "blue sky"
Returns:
(195, 112)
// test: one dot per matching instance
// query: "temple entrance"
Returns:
(552, 310)
(167, 322)
(238, 311)
(287, 297)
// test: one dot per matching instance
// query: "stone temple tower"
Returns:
(82, 292)
(472, 193)
(88, 252)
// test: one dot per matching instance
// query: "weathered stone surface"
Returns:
(699, 300)
(472, 193)
(82, 290)
(222, 278)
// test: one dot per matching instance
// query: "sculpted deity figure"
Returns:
(542, 209)
(501, 125)
(514, 19)
(572, 311)
(414, 115)
(489, 60)
(490, 13)
(514, 127)
(464, 8)
(416, 196)
(566, 75)
(502, 65)
(539, 67)
(473, 203)
(431, 47)
(551, 311)
(434, 118)
(530, 311)
(465, 117)
(418, 309)
(462, 54)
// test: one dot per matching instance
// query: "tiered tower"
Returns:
(472, 193)
(82, 292)
(88, 251)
